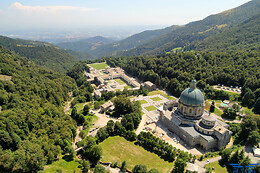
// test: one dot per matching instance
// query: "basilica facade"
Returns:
(194, 125)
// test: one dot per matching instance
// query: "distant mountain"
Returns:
(41, 53)
(85, 45)
(130, 42)
(81, 55)
(197, 31)
(244, 36)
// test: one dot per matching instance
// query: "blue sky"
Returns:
(26, 14)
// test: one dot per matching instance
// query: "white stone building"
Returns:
(193, 124)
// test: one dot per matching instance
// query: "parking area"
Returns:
(164, 134)
(101, 121)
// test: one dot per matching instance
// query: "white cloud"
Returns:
(19, 6)
(21, 16)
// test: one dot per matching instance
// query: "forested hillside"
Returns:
(33, 126)
(130, 42)
(244, 36)
(175, 71)
(41, 53)
(197, 31)
(86, 45)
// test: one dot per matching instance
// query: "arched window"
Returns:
(190, 111)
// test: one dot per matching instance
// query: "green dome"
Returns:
(192, 95)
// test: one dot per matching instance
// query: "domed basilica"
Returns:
(192, 123)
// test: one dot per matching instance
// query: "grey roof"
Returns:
(209, 118)
(194, 133)
(222, 123)
(149, 83)
(176, 120)
(190, 130)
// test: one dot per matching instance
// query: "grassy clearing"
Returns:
(217, 167)
(79, 107)
(91, 119)
(99, 66)
(233, 96)
(161, 93)
(142, 101)
(120, 81)
(156, 99)
(5, 77)
(117, 149)
(155, 92)
(218, 112)
(150, 108)
(64, 165)
(128, 87)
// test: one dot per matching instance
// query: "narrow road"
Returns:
(77, 138)
(79, 128)
(67, 106)
(201, 164)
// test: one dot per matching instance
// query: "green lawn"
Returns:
(128, 87)
(150, 108)
(142, 101)
(91, 119)
(218, 112)
(63, 165)
(217, 167)
(117, 149)
(120, 81)
(99, 66)
(156, 99)
(79, 107)
(160, 92)
(233, 96)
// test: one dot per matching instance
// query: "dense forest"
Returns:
(175, 71)
(33, 126)
(243, 36)
(41, 53)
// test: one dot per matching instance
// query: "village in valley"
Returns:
(185, 123)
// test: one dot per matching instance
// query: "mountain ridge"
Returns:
(131, 42)
(85, 45)
(242, 36)
(41, 53)
(196, 31)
